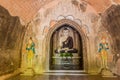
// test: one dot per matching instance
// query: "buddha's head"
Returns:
(65, 32)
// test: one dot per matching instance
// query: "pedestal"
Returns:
(107, 73)
(28, 72)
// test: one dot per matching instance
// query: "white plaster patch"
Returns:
(60, 17)
(70, 17)
(78, 21)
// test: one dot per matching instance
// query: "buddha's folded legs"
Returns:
(68, 51)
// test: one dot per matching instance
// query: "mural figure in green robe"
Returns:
(103, 52)
(30, 51)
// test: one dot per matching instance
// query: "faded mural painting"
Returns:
(62, 36)
(30, 47)
(103, 50)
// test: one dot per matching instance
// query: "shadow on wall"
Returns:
(11, 36)
(111, 21)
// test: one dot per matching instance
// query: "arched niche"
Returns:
(70, 56)
(47, 42)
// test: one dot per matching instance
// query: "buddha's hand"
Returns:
(58, 50)
(66, 49)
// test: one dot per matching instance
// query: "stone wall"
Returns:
(111, 21)
(51, 16)
(11, 36)
(71, 11)
(43, 24)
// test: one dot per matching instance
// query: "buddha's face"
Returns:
(66, 32)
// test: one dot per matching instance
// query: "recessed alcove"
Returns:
(73, 62)
(79, 58)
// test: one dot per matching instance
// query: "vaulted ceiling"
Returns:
(27, 9)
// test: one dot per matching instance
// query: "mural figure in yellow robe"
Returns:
(30, 52)
(103, 52)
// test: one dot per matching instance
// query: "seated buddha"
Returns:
(66, 43)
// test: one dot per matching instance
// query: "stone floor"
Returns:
(63, 77)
